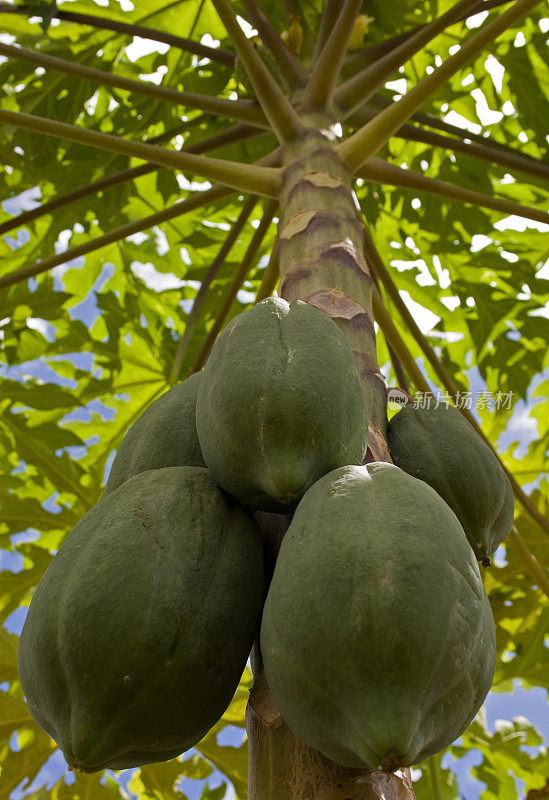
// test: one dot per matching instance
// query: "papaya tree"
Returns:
(168, 165)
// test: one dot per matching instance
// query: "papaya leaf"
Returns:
(435, 781)
(39, 8)
(510, 753)
(158, 781)
(21, 767)
(14, 714)
(9, 643)
(17, 586)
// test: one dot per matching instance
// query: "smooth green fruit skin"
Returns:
(139, 630)
(439, 446)
(377, 636)
(163, 436)
(280, 404)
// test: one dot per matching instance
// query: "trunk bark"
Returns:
(320, 241)
(320, 247)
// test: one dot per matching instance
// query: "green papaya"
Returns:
(280, 404)
(377, 636)
(442, 448)
(139, 630)
(163, 436)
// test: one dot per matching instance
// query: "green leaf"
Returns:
(16, 586)
(9, 643)
(39, 8)
(14, 715)
(157, 781)
(23, 766)
(504, 757)
(435, 781)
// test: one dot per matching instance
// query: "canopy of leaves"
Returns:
(88, 345)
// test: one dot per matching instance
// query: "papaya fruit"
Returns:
(163, 436)
(280, 404)
(442, 448)
(138, 632)
(377, 636)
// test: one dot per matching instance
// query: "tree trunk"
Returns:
(320, 241)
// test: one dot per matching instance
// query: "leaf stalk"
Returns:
(202, 293)
(201, 50)
(233, 134)
(243, 110)
(320, 88)
(356, 91)
(390, 174)
(183, 207)
(239, 278)
(288, 64)
(356, 150)
(281, 115)
(243, 177)
(395, 340)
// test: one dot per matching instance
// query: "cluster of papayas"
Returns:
(139, 631)
(377, 636)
